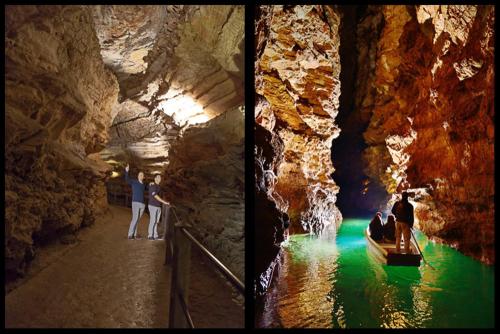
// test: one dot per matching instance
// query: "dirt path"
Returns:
(106, 280)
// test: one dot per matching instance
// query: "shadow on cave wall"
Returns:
(358, 195)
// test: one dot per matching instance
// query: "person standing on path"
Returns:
(154, 207)
(403, 210)
(138, 205)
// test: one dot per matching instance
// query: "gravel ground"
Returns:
(106, 280)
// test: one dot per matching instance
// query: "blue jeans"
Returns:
(137, 212)
(154, 218)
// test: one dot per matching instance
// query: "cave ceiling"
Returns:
(176, 66)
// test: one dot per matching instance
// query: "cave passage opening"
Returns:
(358, 195)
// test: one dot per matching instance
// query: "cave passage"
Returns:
(358, 195)
(90, 90)
(404, 98)
(105, 280)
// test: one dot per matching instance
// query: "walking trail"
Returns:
(105, 280)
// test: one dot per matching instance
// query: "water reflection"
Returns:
(328, 282)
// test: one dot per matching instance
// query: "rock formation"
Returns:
(121, 84)
(431, 128)
(297, 86)
(270, 220)
(205, 180)
(423, 100)
(176, 66)
(59, 97)
(297, 91)
(180, 70)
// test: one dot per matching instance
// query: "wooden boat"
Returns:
(386, 252)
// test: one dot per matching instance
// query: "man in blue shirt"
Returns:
(138, 205)
(154, 207)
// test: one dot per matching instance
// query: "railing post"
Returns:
(180, 279)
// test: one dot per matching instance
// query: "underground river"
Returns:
(330, 281)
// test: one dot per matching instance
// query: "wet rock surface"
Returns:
(106, 280)
(270, 221)
(431, 128)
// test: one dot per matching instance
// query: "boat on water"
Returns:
(386, 252)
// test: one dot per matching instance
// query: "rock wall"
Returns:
(297, 84)
(181, 76)
(58, 97)
(176, 65)
(205, 181)
(270, 221)
(431, 128)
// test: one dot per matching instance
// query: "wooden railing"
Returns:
(178, 254)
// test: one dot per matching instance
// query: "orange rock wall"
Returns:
(431, 127)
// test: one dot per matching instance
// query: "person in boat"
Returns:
(390, 229)
(376, 229)
(403, 211)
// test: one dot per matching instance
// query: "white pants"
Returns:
(137, 212)
(154, 218)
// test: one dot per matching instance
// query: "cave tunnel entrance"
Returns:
(358, 196)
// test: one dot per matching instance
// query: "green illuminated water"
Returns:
(335, 282)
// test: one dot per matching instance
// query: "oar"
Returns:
(422, 255)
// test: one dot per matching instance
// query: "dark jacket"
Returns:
(154, 190)
(137, 189)
(390, 230)
(403, 210)
(376, 230)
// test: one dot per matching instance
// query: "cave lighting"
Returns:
(114, 174)
(182, 108)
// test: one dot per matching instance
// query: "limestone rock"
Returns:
(176, 66)
(59, 97)
(205, 180)
(271, 219)
(431, 128)
(297, 86)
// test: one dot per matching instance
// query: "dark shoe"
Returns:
(131, 237)
(151, 238)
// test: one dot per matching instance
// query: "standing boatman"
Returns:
(403, 211)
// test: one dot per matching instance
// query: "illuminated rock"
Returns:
(205, 180)
(58, 97)
(176, 66)
(432, 119)
(297, 86)
(114, 83)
